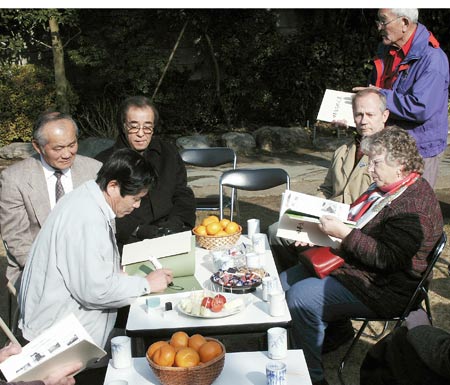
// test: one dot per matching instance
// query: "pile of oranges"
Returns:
(184, 351)
(213, 226)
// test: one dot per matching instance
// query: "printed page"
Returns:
(304, 231)
(65, 342)
(305, 205)
(337, 105)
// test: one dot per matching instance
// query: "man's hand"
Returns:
(63, 375)
(357, 89)
(330, 225)
(159, 279)
(417, 318)
(9, 350)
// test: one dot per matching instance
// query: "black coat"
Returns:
(170, 204)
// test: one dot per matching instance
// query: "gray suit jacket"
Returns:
(25, 205)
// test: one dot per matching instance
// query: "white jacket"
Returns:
(74, 267)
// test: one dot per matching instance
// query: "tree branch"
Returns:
(170, 59)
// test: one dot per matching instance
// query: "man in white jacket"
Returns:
(74, 263)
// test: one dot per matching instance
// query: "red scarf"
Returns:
(374, 193)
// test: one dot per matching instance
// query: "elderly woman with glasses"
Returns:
(170, 206)
(399, 220)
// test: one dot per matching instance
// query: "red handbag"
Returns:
(320, 260)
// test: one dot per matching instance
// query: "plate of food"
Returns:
(238, 280)
(211, 305)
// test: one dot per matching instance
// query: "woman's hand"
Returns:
(330, 225)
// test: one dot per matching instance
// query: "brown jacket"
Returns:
(344, 181)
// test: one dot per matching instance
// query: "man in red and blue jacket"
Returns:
(413, 73)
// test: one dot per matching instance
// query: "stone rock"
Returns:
(17, 151)
(193, 141)
(330, 143)
(281, 139)
(87, 147)
(92, 146)
(241, 143)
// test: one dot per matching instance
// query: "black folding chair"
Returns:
(209, 157)
(251, 180)
(419, 295)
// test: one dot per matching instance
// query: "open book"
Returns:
(65, 342)
(175, 252)
(337, 105)
(299, 218)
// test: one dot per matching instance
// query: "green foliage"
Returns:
(25, 91)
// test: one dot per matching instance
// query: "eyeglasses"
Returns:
(383, 24)
(133, 128)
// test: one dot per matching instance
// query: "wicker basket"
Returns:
(211, 242)
(203, 374)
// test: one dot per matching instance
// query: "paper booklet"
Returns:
(65, 342)
(299, 218)
(337, 105)
(167, 249)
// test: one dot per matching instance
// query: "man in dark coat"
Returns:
(170, 206)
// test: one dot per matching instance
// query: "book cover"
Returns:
(65, 342)
(337, 105)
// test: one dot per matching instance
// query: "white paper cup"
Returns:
(252, 227)
(277, 343)
(277, 304)
(253, 261)
(121, 352)
(259, 243)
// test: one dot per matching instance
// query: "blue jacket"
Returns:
(418, 100)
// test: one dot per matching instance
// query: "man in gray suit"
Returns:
(29, 189)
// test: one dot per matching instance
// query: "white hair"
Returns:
(411, 13)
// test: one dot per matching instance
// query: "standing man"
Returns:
(74, 263)
(348, 176)
(413, 73)
(170, 205)
(29, 189)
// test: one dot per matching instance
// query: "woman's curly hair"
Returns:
(399, 147)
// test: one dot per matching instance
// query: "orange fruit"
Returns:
(179, 339)
(200, 230)
(154, 347)
(209, 350)
(210, 219)
(232, 228)
(195, 341)
(164, 356)
(186, 358)
(224, 222)
(213, 228)
(221, 233)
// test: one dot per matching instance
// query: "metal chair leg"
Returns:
(349, 350)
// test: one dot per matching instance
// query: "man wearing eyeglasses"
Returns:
(413, 73)
(170, 206)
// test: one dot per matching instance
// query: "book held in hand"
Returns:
(299, 218)
(65, 342)
(337, 105)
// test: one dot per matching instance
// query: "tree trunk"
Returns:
(61, 82)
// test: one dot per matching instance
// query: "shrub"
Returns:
(25, 92)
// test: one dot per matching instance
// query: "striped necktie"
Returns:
(59, 189)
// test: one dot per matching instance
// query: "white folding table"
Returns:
(245, 368)
(147, 326)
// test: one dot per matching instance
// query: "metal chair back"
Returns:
(420, 294)
(251, 179)
(209, 157)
